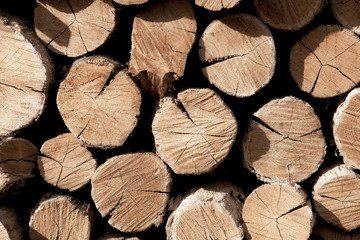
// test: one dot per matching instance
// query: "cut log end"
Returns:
(130, 2)
(347, 13)
(331, 234)
(217, 5)
(10, 225)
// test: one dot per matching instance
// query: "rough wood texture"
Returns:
(217, 5)
(131, 2)
(240, 69)
(132, 190)
(210, 212)
(194, 133)
(116, 236)
(162, 37)
(336, 197)
(66, 164)
(288, 15)
(331, 234)
(346, 129)
(10, 225)
(325, 62)
(278, 211)
(26, 72)
(347, 13)
(98, 102)
(74, 28)
(284, 141)
(61, 217)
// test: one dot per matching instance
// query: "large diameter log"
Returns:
(132, 190)
(240, 69)
(194, 133)
(217, 5)
(65, 163)
(26, 72)
(98, 102)
(284, 141)
(347, 13)
(10, 225)
(331, 234)
(210, 212)
(74, 28)
(161, 39)
(278, 211)
(321, 69)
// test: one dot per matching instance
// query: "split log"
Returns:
(98, 102)
(217, 5)
(162, 37)
(132, 190)
(65, 163)
(288, 15)
(284, 141)
(240, 69)
(10, 226)
(331, 234)
(194, 133)
(323, 70)
(347, 13)
(131, 2)
(26, 72)
(278, 211)
(74, 28)
(116, 236)
(61, 217)
(336, 197)
(210, 212)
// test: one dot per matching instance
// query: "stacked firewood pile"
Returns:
(179, 119)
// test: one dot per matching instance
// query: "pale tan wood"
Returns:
(284, 141)
(197, 138)
(331, 234)
(209, 212)
(61, 217)
(320, 68)
(217, 5)
(65, 163)
(336, 196)
(132, 190)
(288, 15)
(278, 211)
(240, 69)
(116, 236)
(26, 72)
(10, 225)
(131, 2)
(74, 28)
(98, 102)
(347, 13)
(161, 39)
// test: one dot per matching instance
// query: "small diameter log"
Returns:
(98, 102)
(194, 133)
(74, 28)
(240, 69)
(278, 211)
(284, 142)
(10, 225)
(61, 217)
(26, 71)
(210, 212)
(336, 196)
(132, 190)
(131, 2)
(217, 5)
(331, 234)
(65, 163)
(325, 62)
(288, 15)
(161, 39)
(347, 13)
(116, 236)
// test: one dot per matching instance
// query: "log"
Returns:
(194, 133)
(278, 211)
(347, 13)
(240, 69)
(10, 225)
(210, 212)
(74, 28)
(26, 72)
(132, 191)
(65, 163)
(336, 197)
(321, 69)
(331, 234)
(288, 15)
(217, 5)
(284, 141)
(116, 236)
(99, 102)
(61, 217)
(162, 37)
(131, 2)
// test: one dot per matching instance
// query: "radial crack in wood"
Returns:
(217, 5)
(347, 13)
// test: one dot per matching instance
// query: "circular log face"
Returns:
(197, 138)
(131, 2)
(240, 69)
(347, 13)
(284, 141)
(74, 28)
(320, 68)
(133, 190)
(288, 15)
(217, 5)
